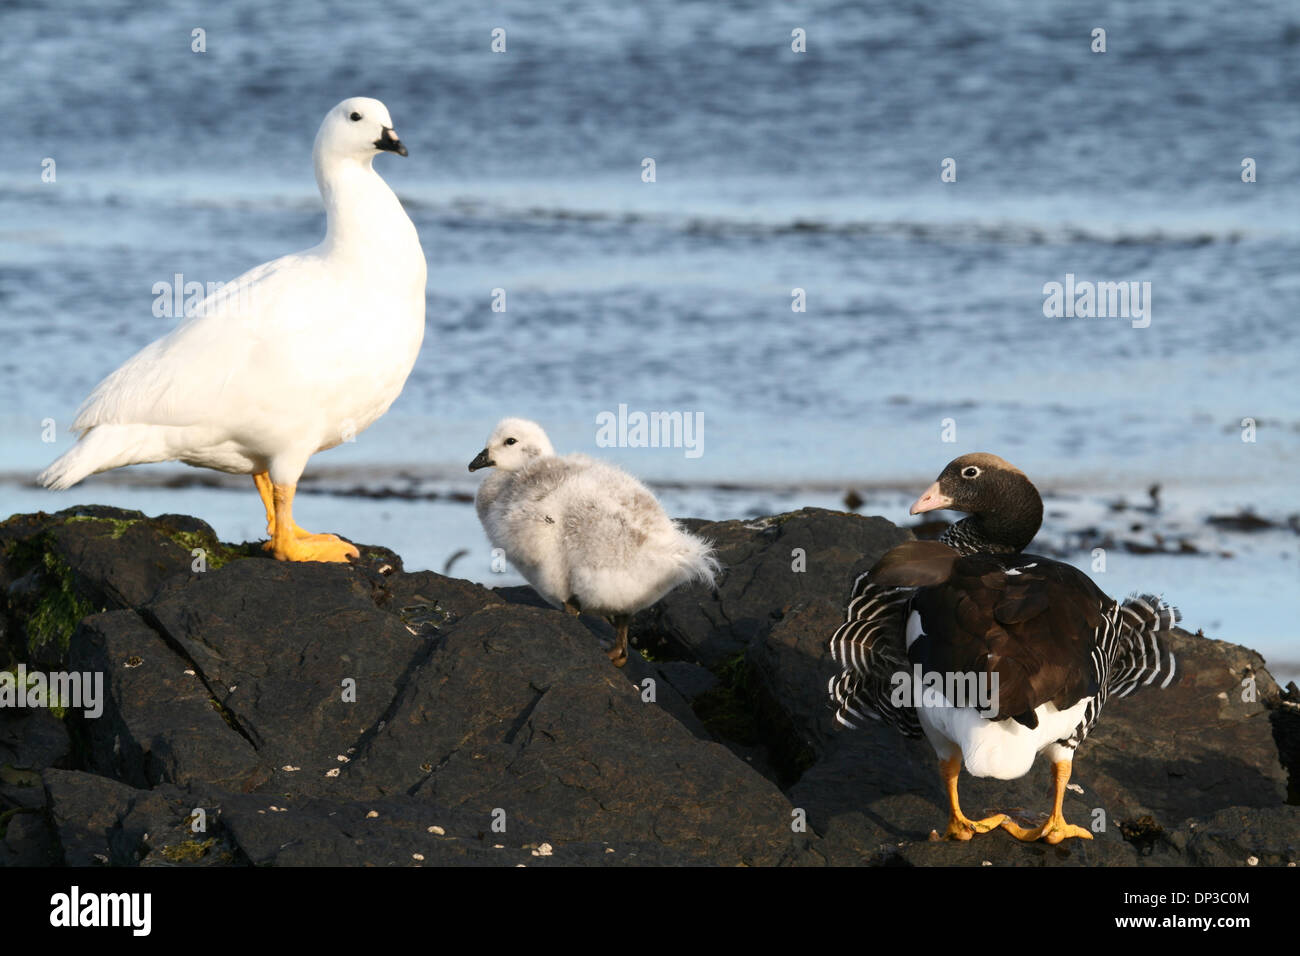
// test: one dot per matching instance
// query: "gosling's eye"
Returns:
(510, 441)
(355, 117)
(970, 471)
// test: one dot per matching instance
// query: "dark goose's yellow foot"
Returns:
(1055, 829)
(960, 826)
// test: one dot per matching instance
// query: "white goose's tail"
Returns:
(104, 447)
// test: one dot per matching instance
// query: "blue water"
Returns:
(774, 171)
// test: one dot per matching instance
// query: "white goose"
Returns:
(585, 534)
(291, 358)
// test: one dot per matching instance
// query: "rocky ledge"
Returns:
(260, 713)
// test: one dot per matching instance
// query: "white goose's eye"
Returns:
(511, 441)
(970, 471)
(355, 117)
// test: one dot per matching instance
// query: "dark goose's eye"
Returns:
(970, 471)
(510, 441)
(355, 117)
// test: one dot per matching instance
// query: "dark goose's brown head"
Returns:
(1004, 507)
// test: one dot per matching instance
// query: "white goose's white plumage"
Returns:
(291, 358)
(586, 535)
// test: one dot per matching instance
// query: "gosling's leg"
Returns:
(572, 606)
(618, 653)
(286, 544)
(1055, 829)
(960, 826)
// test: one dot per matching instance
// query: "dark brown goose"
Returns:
(994, 655)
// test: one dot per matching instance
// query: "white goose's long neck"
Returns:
(363, 215)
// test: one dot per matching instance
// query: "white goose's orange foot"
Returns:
(316, 547)
(1053, 831)
(288, 541)
(302, 534)
(961, 827)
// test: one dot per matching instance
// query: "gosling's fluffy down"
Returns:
(585, 534)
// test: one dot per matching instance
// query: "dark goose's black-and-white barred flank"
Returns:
(869, 646)
(1052, 646)
(1126, 653)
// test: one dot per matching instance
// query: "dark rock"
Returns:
(86, 559)
(557, 740)
(32, 738)
(101, 822)
(1232, 836)
(689, 680)
(771, 565)
(1242, 521)
(162, 723)
(299, 658)
(476, 709)
(28, 840)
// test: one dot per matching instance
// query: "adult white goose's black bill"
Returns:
(481, 460)
(932, 500)
(389, 142)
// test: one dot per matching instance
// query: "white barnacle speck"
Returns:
(332, 773)
(437, 831)
(1075, 787)
(417, 856)
(372, 814)
(289, 768)
(1252, 861)
(343, 758)
(497, 846)
(986, 863)
(545, 850)
(189, 671)
(609, 849)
